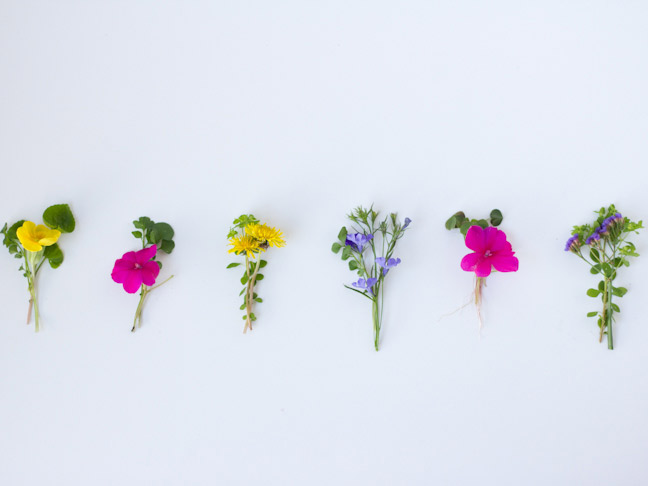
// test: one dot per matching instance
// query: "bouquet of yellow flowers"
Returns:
(248, 237)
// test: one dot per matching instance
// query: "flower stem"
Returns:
(249, 296)
(137, 322)
(606, 324)
(479, 285)
(375, 313)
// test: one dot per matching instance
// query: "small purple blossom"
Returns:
(572, 244)
(407, 223)
(386, 265)
(357, 241)
(594, 237)
(365, 284)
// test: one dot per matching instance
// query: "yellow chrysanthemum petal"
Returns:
(266, 235)
(244, 244)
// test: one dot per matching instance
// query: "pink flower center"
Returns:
(488, 253)
(137, 266)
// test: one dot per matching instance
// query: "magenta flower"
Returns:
(136, 268)
(490, 250)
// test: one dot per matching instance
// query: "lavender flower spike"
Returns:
(386, 265)
(357, 241)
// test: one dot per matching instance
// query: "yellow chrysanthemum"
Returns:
(265, 235)
(34, 238)
(244, 244)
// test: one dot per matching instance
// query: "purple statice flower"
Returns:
(386, 265)
(357, 241)
(572, 244)
(607, 224)
(407, 223)
(594, 237)
(365, 284)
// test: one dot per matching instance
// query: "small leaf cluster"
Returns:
(57, 217)
(461, 222)
(152, 233)
(240, 223)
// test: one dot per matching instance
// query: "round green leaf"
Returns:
(59, 217)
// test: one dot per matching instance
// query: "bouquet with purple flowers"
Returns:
(609, 250)
(369, 248)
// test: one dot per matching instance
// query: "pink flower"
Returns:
(490, 249)
(136, 268)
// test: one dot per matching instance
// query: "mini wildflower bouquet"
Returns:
(373, 266)
(491, 250)
(248, 237)
(37, 243)
(138, 270)
(609, 250)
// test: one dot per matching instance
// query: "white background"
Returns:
(195, 112)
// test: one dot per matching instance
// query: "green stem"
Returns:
(137, 322)
(608, 292)
(375, 312)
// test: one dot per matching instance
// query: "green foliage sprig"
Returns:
(604, 246)
(461, 222)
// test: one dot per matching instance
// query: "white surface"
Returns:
(194, 112)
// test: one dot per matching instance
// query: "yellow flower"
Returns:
(266, 235)
(244, 244)
(34, 238)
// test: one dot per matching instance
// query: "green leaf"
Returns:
(59, 217)
(259, 277)
(159, 263)
(10, 236)
(137, 234)
(615, 307)
(619, 291)
(232, 265)
(54, 255)
(252, 316)
(595, 256)
(451, 223)
(465, 226)
(593, 292)
(161, 231)
(259, 300)
(336, 248)
(242, 291)
(244, 279)
(496, 217)
(167, 246)
(243, 306)
(595, 269)
(353, 265)
(262, 263)
(601, 286)
(342, 235)
(346, 253)
(592, 314)
(482, 222)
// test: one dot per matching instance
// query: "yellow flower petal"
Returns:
(27, 237)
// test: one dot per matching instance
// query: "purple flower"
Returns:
(365, 284)
(386, 265)
(407, 223)
(594, 237)
(572, 244)
(357, 241)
